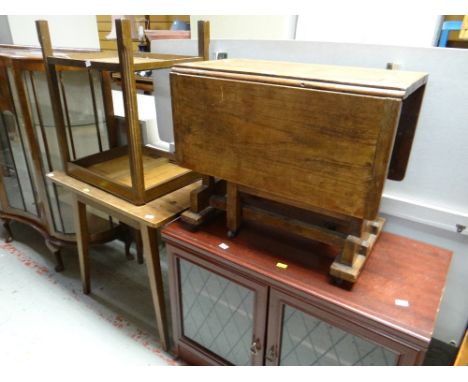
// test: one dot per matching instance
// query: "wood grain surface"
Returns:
(154, 214)
(322, 149)
(400, 270)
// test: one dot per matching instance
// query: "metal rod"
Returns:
(48, 158)
(22, 145)
(67, 116)
(96, 119)
(41, 123)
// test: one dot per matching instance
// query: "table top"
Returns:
(400, 287)
(154, 214)
(109, 60)
(396, 83)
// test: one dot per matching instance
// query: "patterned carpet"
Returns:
(44, 313)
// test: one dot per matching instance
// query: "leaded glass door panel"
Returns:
(219, 312)
(302, 335)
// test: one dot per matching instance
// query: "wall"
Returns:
(404, 29)
(66, 31)
(5, 35)
(436, 182)
(247, 27)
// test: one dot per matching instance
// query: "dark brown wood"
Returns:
(233, 209)
(56, 251)
(405, 135)
(6, 226)
(371, 308)
(185, 346)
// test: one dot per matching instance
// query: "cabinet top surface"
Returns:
(391, 82)
(400, 287)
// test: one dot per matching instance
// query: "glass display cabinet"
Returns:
(29, 149)
(135, 170)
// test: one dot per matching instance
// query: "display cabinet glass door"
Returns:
(220, 313)
(86, 130)
(15, 163)
(307, 336)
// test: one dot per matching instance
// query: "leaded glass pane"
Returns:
(217, 313)
(307, 340)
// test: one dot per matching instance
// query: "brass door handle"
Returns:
(255, 347)
(271, 355)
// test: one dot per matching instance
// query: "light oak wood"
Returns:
(280, 140)
(151, 254)
(147, 219)
(314, 137)
(154, 214)
(156, 170)
(462, 356)
(135, 175)
(82, 238)
(340, 78)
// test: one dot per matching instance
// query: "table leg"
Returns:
(82, 240)
(151, 255)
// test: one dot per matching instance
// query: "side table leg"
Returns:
(153, 265)
(82, 240)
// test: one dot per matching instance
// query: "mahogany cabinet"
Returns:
(259, 300)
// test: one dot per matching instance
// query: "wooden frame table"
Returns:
(146, 218)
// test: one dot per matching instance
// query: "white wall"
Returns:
(404, 29)
(247, 27)
(436, 176)
(5, 35)
(65, 31)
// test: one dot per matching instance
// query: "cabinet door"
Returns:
(85, 125)
(15, 168)
(301, 334)
(218, 316)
